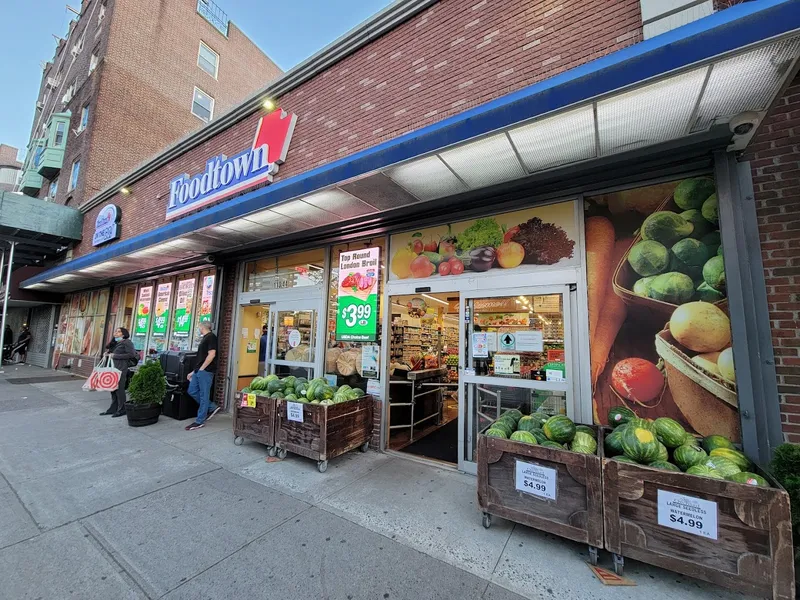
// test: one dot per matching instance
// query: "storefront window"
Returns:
(184, 309)
(126, 307)
(348, 359)
(281, 272)
(206, 308)
(141, 322)
(160, 321)
(82, 324)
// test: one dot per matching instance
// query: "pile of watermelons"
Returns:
(300, 389)
(544, 430)
(665, 444)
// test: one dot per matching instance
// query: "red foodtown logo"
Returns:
(225, 176)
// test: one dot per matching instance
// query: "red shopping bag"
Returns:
(104, 377)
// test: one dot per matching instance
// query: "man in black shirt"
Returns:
(201, 378)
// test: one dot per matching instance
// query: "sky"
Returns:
(28, 26)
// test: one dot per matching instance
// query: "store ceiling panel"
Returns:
(379, 191)
(340, 204)
(560, 140)
(427, 178)
(307, 213)
(486, 162)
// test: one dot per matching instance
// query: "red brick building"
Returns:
(433, 114)
(123, 86)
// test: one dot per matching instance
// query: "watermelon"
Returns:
(663, 464)
(551, 444)
(643, 423)
(583, 443)
(704, 471)
(688, 455)
(258, 383)
(716, 441)
(358, 392)
(523, 436)
(748, 479)
(514, 414)
(527, 423)
(669, 432)
(734, 455)
(271, 377)
(541, 418)
(245, 390)
(276, 385)
(503, 426)
(559, 429)
(289, 381)
(276, 395)
(498, 433)
(619, 415)
(663, 453)
(613, 441)
(625, 459)
(640, 444)
(724, 466)
(585, 429)
(540, 436)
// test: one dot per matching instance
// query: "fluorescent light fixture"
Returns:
(435, 299)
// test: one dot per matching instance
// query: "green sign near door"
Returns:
(357, 312)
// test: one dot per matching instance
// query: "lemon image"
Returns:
(701, 327)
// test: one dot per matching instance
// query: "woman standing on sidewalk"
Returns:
(121, 356)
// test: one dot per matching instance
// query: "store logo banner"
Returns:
(225, 176)
(106, 225)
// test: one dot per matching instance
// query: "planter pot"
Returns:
(140, 415)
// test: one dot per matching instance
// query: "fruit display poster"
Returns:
(206, 298)
(161, 319)
(183, 307)
(523, 241)
(660, 334)
(357, 311)
(143, 310)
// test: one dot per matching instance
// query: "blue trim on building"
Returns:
(720, 33)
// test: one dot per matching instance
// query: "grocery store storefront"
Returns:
(504, 232)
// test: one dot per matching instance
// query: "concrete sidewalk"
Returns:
(93, 509)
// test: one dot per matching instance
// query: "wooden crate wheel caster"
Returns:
(593, 555)
(619, 565)
(322, 466)
(238, 440)
(487, 520)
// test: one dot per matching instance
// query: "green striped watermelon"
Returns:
(613, 441)
(497, 433)
(669, 432)
(716, 441)
(663, 464)
(619, 415)
(559, 428)
(688, 455)
(640, 444)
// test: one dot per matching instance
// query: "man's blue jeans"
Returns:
(200, 390)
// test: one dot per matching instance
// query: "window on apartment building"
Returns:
(84, 118)
(208, 60)
(51, 193)
(101, 14)
(58, 139)
(202, 105)
(78, 47)
(73, 176)
(94, 59)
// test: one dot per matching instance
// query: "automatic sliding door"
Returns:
(294, 340)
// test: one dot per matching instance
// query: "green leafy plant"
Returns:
(785, 468)
(148, 385)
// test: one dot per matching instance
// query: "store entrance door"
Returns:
(518, 353)
(279, 337)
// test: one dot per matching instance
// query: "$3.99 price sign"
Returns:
(688, 514)
(357, 314)
(536, 480)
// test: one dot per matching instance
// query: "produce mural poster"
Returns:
(161, 319)
(143, 310)
(183, 308)
(660, 334)
(522, 241)
(357, 310)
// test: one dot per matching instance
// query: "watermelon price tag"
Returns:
(294, 411)
(536, 480)
(687, 514)
(251, 400)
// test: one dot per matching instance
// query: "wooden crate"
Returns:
(256, 424)
(576, 513)
(326, 431)
(753, 550)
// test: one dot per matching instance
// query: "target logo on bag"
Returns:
(107, 380)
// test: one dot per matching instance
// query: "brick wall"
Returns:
(455, 55)
(224, 328)
(775, 157)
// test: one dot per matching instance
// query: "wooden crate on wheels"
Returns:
(255, 423)
(731, 534)
(563, 489)
(322, 432)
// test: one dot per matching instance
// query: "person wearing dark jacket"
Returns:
(121, 356)
(21, 347)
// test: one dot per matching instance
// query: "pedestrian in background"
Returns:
(122, 355)
(21, 347)
(262, 352)
(202, 377)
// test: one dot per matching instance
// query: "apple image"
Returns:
(417, 246)
(422, 267)
(510, 255)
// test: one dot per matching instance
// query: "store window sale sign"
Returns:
(357, 311)
(225, 176)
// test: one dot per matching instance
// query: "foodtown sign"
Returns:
(225, 176)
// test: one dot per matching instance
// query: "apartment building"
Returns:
(129, 79)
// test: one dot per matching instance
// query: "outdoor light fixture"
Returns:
(268, 104)
(124, 191)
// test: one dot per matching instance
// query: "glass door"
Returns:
(516, 354)
(293, 338)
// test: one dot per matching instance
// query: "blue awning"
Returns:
(673, 86)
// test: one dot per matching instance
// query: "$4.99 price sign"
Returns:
(357, 314)
(536, 480)
(688, 514)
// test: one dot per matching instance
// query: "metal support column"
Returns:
(756, 382)
(5, 296)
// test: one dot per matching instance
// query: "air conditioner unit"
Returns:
(52, 82)
(40, 105)
(75, 50)
(67, 97)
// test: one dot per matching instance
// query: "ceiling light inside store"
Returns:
(435, 299)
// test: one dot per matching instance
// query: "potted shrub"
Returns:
(146, 394)
(785, 468)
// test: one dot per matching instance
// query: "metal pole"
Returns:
(2, 329)
(5, 296)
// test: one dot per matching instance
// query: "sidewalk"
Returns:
(93, 509)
